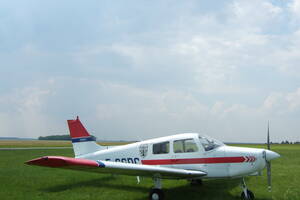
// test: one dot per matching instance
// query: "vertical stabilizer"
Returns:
(82, 141)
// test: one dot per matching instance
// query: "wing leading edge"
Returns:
(114, 167)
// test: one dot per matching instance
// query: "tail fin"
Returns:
(82, 141)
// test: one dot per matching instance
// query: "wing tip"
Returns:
(60, 161)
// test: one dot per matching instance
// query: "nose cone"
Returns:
(270, 155)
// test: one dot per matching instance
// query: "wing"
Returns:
(114, 167)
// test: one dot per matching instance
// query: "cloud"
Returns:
(219, 67)
(293, 100)
(294, 7)
(118, 111)
(273, 101)
(23, 112)
(283, 102)
(255, 15)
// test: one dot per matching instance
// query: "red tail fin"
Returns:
(77, 130)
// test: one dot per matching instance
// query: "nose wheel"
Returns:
(250, 195)
(246, 194)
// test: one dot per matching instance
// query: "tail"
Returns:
(82, 141)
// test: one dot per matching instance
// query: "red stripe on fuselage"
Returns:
(214, 160)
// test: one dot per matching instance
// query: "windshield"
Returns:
(209, 143)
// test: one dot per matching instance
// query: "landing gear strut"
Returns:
(246, 194)
(156, 193)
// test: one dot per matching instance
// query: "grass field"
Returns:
(19, 181)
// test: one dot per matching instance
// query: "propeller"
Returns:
(269, 155)
(269, 162)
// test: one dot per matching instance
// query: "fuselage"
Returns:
(189, 151)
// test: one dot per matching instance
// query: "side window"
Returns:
(161, 148)
(185, 146)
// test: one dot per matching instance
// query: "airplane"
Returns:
(188, 156)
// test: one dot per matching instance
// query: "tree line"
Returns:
(58, 137)
(55, 137)
(287, 142)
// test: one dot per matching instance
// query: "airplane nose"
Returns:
(270, 155)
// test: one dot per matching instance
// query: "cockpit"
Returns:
(209, 143)
(187, 143)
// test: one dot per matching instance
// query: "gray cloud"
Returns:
(138, 70)
(119, 111)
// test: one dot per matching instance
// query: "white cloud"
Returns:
(294, 7)
(25, 115)
(254, 15)
(119, 111)
(273, 100)
(293, 100)
(184, 68)
(283, 103)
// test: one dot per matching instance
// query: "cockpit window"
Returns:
(185, 146)
(161, 148)
(209, 143)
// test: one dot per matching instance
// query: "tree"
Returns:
(59, 137)
(55, 137)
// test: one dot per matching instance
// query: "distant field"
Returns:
(47, 143)
(33, 143)
(19, 181)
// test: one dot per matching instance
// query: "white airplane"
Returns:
(188, 156)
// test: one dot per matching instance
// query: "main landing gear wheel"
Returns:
(156, 194)
(250, 195)
(196, 182)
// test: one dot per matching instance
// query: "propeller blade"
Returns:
(268, 138)
(269, 175)
(268, 162)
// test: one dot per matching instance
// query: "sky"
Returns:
(134, 70)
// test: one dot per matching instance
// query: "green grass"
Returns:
(34, 143)
(20, 181)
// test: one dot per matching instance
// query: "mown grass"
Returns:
(34, 143)
(20, 181)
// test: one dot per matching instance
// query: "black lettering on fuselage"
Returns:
(136, 160)
(125, 160)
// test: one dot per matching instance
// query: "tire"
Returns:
(156, 194)
(249, 194)
(196, 182)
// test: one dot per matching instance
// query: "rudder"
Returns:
(82, 141)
